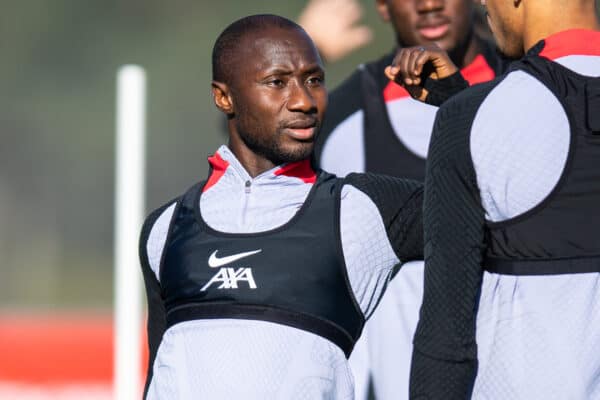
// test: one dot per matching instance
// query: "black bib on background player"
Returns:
(559, 235)
(384, 151)
(299, 273)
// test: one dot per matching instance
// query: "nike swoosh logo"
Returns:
(215, 262)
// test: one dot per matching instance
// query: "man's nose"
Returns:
(424, 6)
(301, 99)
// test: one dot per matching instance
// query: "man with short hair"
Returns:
(511, 308)
(374, 125)
(259, 279)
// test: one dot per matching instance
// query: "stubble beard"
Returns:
(271, 148)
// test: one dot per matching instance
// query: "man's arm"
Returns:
(400, 204)
(151, 247)
(444, 360)
(427, 73)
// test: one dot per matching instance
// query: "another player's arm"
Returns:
(400, 204)
(427, 73)
(380, 221)
(444, 359)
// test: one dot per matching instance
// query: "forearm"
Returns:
(432, 378)
(445, 352)
(440, 90)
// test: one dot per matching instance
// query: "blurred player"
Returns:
(374, 125)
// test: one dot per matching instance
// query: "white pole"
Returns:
(129, 211)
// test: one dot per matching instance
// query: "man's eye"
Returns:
(315, 80)
(275, 83)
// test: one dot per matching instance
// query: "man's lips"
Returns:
(433, 32)
(301, 129)
(301, 133)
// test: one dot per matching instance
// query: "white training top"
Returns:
(225, 359)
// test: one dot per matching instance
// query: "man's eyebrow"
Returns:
(311, 69)
(278, 71)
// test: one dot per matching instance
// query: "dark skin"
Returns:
(275, 100)
(447, 24)
(434, 32)
(516, 25)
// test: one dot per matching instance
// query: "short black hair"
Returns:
(228, 41)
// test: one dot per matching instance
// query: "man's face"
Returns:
(446, 23)
(278, 94)
(505, 21)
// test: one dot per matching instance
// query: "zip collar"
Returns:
(224, 160)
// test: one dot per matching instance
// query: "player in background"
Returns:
(373, 125)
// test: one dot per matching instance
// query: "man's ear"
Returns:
(383, 10)
(222, 97)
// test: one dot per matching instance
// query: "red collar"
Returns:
(300, 169)
(218, 168)
(571, 42)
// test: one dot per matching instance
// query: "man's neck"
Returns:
(542, 21)
(251, 162)
(465, 53)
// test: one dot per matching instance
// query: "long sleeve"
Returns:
(444, 359)
(157, 320)
(399, 202)
(380, 223)
(440, 90)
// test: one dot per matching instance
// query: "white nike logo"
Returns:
(214, 261)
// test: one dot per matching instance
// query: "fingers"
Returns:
(414, 67)
(391, 72)
(404, 69)
(408, 65)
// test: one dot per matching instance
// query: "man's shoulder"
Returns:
(344, 118)
(347, 97)
(456, 115)
(344, 100)
(157, 213)
(387, 192)
(188, 196)
(469, 99)
(517, 96)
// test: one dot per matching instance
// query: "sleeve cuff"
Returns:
(433, 379)
(440, 90)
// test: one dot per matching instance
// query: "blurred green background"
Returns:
(57, 84)
(57, 110)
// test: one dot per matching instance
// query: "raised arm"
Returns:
(427, 73)
(399, 202)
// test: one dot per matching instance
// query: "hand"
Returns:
(332, 26)
(413, 65)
